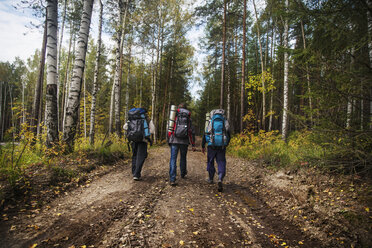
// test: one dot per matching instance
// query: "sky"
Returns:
(16, 39)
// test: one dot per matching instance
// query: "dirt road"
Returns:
(115, 211)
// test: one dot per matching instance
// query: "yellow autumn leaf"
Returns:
(33, 246)
(182, 242)
(195, 233)
(191, 209)
(367, 209)
(13, 228)
(171, 231)
(83, 246)
(300, 242)
(283, 244)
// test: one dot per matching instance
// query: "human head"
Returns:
(182, 105)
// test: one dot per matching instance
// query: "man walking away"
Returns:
(217, 136)
(179, 139)
(138, 130)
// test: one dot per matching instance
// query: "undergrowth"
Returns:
(16, 158)
(337, 151)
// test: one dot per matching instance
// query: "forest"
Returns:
(294, 77)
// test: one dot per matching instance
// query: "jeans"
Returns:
(173, 161)
(220, 155)
(139, 155)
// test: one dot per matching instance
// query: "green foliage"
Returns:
(269, 148)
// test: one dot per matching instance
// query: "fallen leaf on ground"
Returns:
(33, 246)
(182, 242)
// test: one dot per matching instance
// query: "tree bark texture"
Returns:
(285, 90)
(39, 84)
(51, 118)
(242, 87)
(95, 80)
(78, 71)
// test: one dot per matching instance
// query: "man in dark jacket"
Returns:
(179, 140)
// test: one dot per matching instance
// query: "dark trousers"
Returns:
(139, 155)
(173, 161)
(220, 156)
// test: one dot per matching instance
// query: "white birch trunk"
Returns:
(59, 63)
(51, 113)
(73, 103)
(349, 108)
(95, 80)
(85, 112)
(285, 91)
(223, 55)
(127, 84)
(262, 70)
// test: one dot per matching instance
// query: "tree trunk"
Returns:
(242, 87)
(285, 91)
(272, 73)
(84, 100)
(95, 80)
(35, 119)
(349, 108)
(118, 74)
(223, 55)
(262, 71)
(51, 113)
(66, 83)
(307, 76)
(59, 63)
(127, 84)
(75, 89)
(369, 2)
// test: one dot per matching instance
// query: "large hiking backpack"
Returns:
(182, 124)
(216, 130)
(138, 128)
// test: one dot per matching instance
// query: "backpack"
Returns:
(138, 128)
(216, 130)
(182, 124)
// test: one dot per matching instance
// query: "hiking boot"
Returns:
(136, 179)
(210, 181)
(173, 183)
(220, 188)
(183, 176)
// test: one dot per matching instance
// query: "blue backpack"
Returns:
(216, 130)
(138, 128)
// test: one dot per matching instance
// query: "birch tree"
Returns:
(96, 74)
(262, 69)
(285, 81)
(73, 103)
(51, 118)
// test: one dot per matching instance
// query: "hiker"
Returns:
(179, 139)
(217, 136)
(138, 130)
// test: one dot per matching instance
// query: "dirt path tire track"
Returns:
(115, 211)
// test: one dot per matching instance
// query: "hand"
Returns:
(193, 149)
(203, 150)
